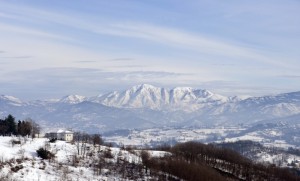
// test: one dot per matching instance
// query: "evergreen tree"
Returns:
(11, 124)
(3, 127)
(19, 128)
(8, 126)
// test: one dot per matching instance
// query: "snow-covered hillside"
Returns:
(85, 161)
(19, 162)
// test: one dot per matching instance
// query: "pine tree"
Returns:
(10, 121)
(19, 128)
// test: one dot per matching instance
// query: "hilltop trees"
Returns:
(82, 140)
(35, 128)
(8, 126)
(97, 139)
(24, 128)
(197, 161)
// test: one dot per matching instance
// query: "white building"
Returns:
(61, 135)
(65, 135)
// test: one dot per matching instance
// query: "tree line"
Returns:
(9, 126)
(197, 161)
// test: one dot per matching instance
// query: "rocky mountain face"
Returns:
(146, 106)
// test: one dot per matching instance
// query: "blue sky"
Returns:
(53, 48)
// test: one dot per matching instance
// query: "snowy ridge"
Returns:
(11, 100)
(72, 99)
(148, 96)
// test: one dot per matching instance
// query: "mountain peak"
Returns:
(72, 99)
(149, 96)
(184, 88)
(11, 99)
(143, 86)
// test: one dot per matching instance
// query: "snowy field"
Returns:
(158, 136)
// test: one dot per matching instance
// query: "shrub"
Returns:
(17, 168)
(107, 154)
(44, 154)
(16, 142)
(52, 140)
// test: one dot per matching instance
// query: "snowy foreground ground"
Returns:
(20, 161)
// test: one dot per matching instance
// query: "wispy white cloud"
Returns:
(31, 32)
(172, 37)
(66, 80)
(17, 57)
(297, 76)
(121, 59)
(150, 51)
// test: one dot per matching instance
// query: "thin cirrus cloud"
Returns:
(234, 45)
(147, 32)
(290, 76)
(67, 80)
(186, 40)
(68, 73)
(173, 37)
(121, 59)
(31, 32)
(85, 61)
(18, 57)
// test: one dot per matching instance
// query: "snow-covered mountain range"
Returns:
(148, 96)
(146, 106)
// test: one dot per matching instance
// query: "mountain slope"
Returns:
(72, 99)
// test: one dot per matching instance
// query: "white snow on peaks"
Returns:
(148, 96)
(73, 99)
(136, 97)
(11, 100)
